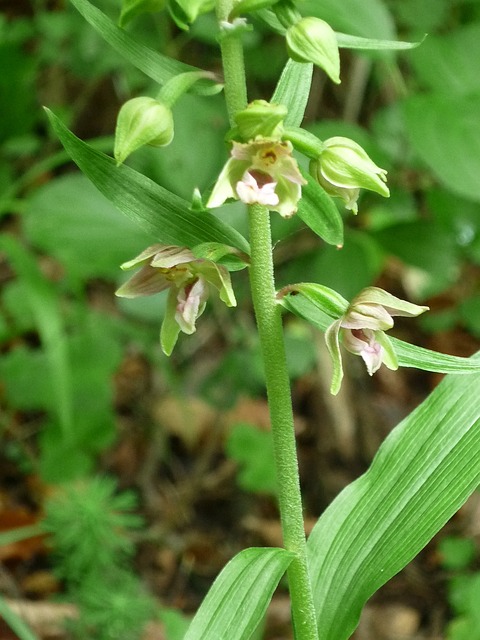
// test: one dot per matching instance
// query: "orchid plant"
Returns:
(430, 464)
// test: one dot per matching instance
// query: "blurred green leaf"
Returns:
(46, 311)
(444, 131)
(247, 583)
(448, 63)
(252, 448)
(70, 220)
(347, 270)
(421, 475)
(456, 553)
(365, 18)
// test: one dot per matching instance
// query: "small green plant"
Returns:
(91, 529)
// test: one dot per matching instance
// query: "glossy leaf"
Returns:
(317, 209)
(239, 597)
(293, 90)
(165, 216)
(156, 66)
(421, 475)
(309, 308)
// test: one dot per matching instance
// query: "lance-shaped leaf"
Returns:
(346, 41)
(307, 305)
(421, 475)
(156, 66)
(161, 213)
(293, 90)
(239, 597)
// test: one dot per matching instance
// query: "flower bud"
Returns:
(313, 40)
(343, 168)
(142, 121)
(261, 118)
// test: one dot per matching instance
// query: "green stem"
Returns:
(233, 65)
(269, 322)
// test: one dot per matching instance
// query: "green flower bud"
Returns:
(313, 40)
(142, 121)
(343, 168)
(262, 119)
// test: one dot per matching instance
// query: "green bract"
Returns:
(343, 168)
(313, 40)
(142, 121)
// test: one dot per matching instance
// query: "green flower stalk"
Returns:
(187, 279)
(362, 331)
(343, 168)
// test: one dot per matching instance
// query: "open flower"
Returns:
(262, 171)
(343, 168)
(362, 331)
(187, 278)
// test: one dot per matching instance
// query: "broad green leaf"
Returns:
(46, 310)
(408, 355)
(156, 66)
(163, 215)
(449, 63)
(293, 90)
(422, 474)
(320, 213)
(443, 130)
(346, 41)
(239, 597)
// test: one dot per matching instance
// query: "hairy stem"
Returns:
(232, 61)
(269, 322)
